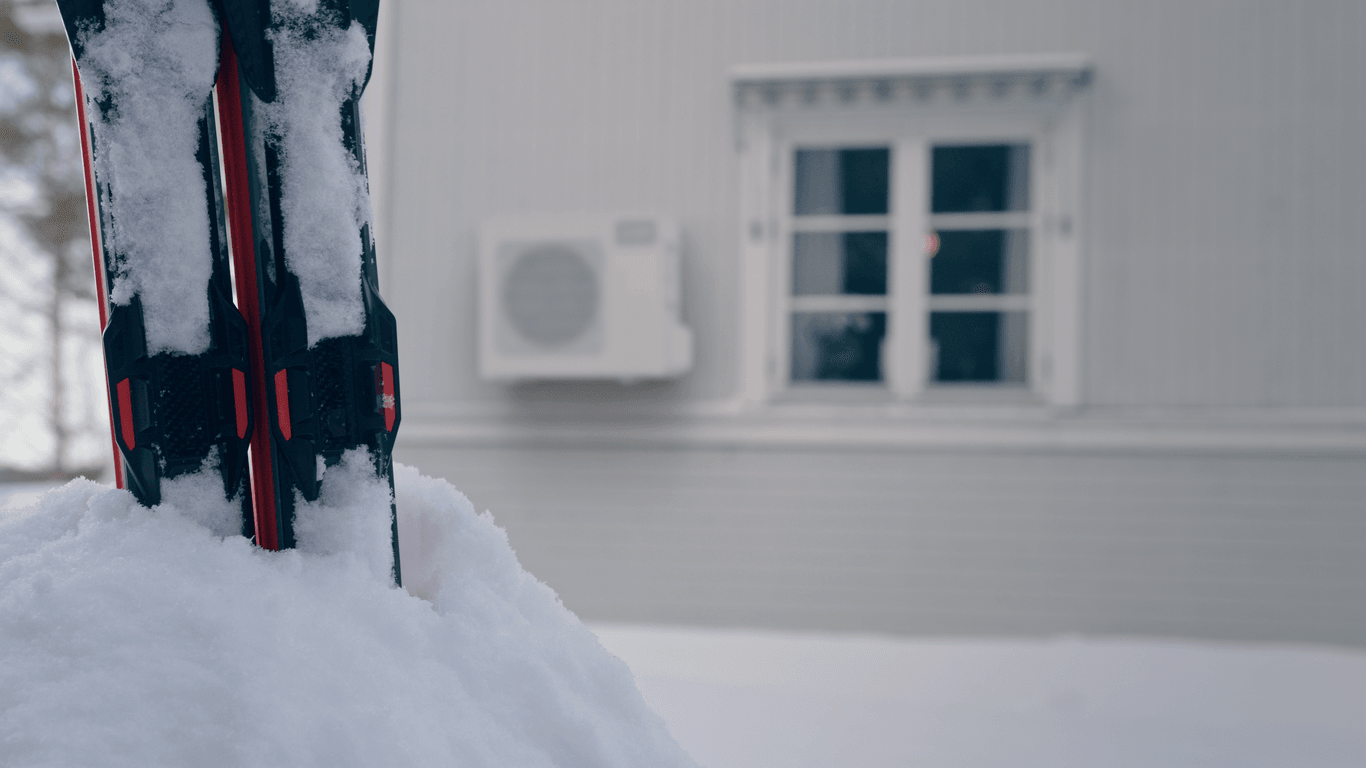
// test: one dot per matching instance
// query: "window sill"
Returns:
(980, 394)
(842, 393)
(937, 397)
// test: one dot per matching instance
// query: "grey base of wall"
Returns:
(1247, 548)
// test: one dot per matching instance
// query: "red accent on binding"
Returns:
(239, 400)
(92, 217)
(240, 240)
(282, 402)
(126, 415)
(387, 402)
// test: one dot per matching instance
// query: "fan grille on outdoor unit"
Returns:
(550, 295)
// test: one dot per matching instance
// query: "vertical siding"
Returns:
(1247, 548)
(1225, 169)
(1225, 265)
(562, 108)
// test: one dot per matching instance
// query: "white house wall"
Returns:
(1264, 548)
(1223, 176)
(1225, 262)
(1222, 173)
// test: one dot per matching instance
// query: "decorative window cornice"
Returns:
(970, 78)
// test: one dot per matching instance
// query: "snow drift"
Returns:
(144, 637)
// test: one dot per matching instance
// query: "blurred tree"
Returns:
(45, 246)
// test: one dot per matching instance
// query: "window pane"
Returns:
(981, 261)
(992, 177)
(837, 346)
(979, 346)
(841, 181)
(828, 263)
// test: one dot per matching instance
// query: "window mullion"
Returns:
(780, 360)
(905, 361)
(968, 302)
(1063, 280)
(841, 303)
(840, 223)
(759, 183)
(969, 221)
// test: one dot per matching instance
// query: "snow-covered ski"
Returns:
(303, 366)
(324, 345)
(178, 390)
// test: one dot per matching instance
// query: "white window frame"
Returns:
(911, 106)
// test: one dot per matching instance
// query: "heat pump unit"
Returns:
(581, 298)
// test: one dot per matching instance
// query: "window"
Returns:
(839, 264)
(978, 251)
(910, 230)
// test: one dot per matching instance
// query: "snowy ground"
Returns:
(158, 637)
(738, 699)
(22, 494)
(494, 664)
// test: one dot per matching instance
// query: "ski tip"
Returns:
(248, 23)
(78, 15)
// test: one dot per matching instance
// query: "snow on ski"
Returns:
(303, 365)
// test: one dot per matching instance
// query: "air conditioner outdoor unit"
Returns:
(581, 298)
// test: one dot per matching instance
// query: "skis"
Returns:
(302, 366)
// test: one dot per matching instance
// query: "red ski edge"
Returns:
(248, 298)
(102, 300)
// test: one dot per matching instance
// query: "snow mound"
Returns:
(140, 637)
